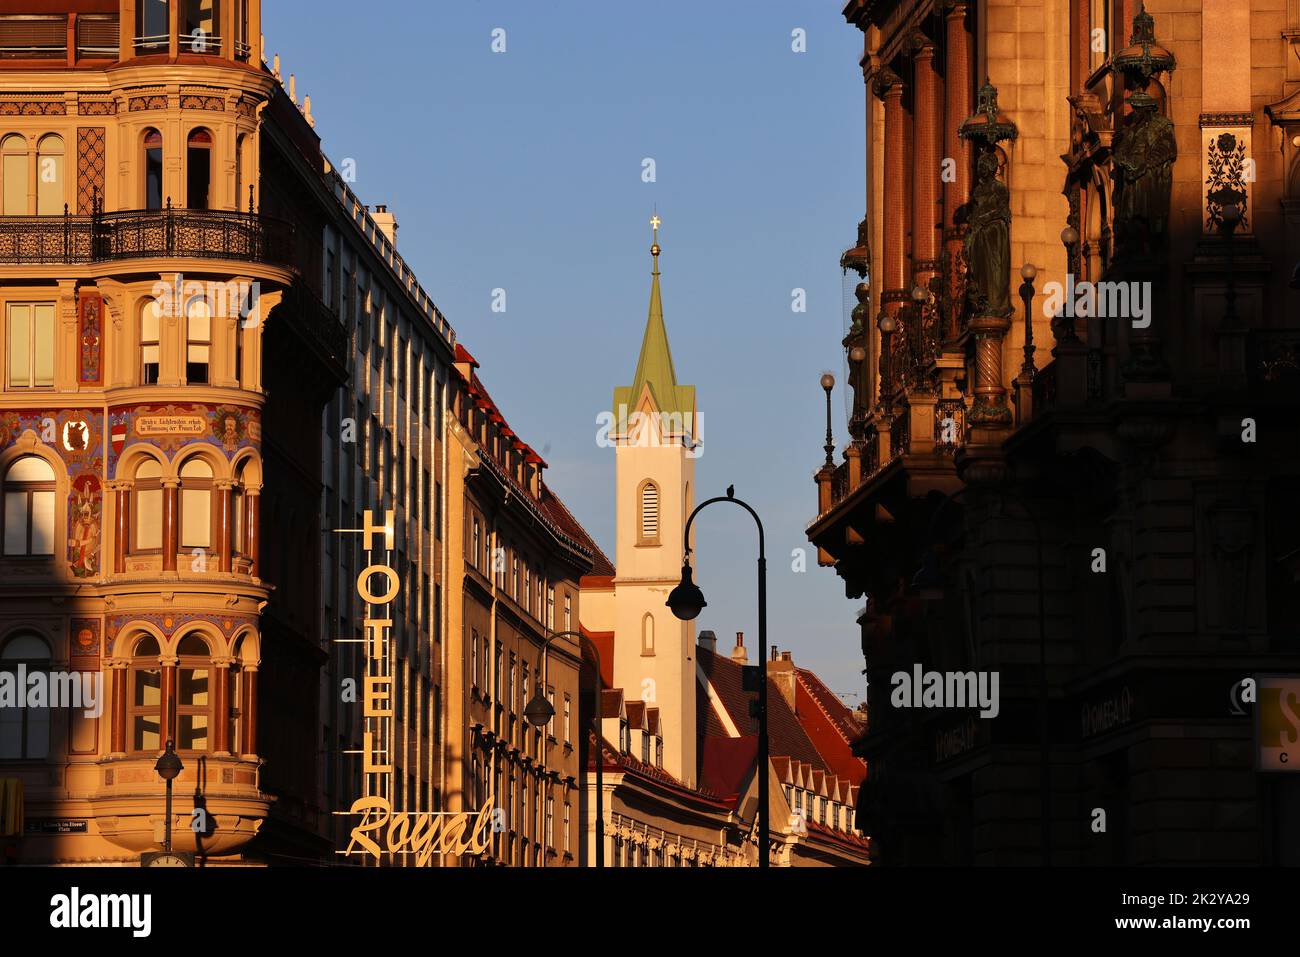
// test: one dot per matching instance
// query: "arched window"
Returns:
(153, 169)
(648, 635)
(13, 175)
(29, 508)
(150, 323)
(648, 521)
(198, 340)
(198, 169)
(193, 694)
(196, 504)
(148, 507)
(238, 504)
(50, 196)
(145, 701)
(24, 732)
(241, 143)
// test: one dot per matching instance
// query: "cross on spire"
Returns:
(655, 223)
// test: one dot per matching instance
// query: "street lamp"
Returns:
(539, 712)
(828, 383)
(1028, 272)
(687, 601)
(168, 767)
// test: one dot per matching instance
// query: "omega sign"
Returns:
(382, 831)
(1101, 716)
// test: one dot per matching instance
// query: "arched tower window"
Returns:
(193, 694)
(29, 508)
(196, 504)
(150, 348)
(13, 174)
(198, 169)
(153, 169)
(198, 340)
(24, 732)
(648, 635)
(50, 197)
(148, 507)
(648, 514)
(145, 702)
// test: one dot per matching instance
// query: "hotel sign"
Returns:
(1277, 729)
(382, 833)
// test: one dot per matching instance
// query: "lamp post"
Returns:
(687, 601)
(1028, 272)
(828, 383)
(168, 767)
(539, 712)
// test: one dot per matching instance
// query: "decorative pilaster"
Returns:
(253, 528)
(221, 706)
(222, 489)
(167, 729)
(121, 490)
(171, 531)
(248, 713)
(117, 735)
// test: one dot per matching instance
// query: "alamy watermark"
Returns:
(238, 297)
(53, 689)
(1103, 300)
(946, 689)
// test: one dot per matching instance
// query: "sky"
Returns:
(524, 171)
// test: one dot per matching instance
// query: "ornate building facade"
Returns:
(1069, 461)
(154, 297)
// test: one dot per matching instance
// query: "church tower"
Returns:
(655, 437)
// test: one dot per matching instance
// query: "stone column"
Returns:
(957, 104)
(121, 522)
(168, 727)
(221, 706)
(248, 711)
(895, 221)
(118, 670)
(927, 155)
(253, 527)
(222, 489)
(171, 531)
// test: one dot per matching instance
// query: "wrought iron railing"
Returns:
(949, 426)
(840, 482)
(900, 433)
(146, 234)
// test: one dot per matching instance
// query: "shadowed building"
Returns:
(1070, 459)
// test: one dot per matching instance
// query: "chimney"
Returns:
(738, 653)
(386, 222)
(774, 655)
(780, 670)
(709, 641)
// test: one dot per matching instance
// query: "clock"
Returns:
(166, 859)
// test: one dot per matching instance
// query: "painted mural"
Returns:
(173, 426)
(77, 436)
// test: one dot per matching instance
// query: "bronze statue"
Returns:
(1143, 161)
(988, 243)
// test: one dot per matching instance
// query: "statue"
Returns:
(1143, 159)
(988, 243)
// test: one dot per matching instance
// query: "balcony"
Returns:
(145, 234)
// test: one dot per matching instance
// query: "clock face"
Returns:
(166, 859)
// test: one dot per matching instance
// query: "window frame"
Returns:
(31, 323)
(29, 489)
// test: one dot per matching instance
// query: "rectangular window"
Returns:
(568, 704)
(568, 614)
(30, 341)
(550, 607)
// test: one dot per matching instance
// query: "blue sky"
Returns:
(522, 170)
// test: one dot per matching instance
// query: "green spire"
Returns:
(654, 367)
